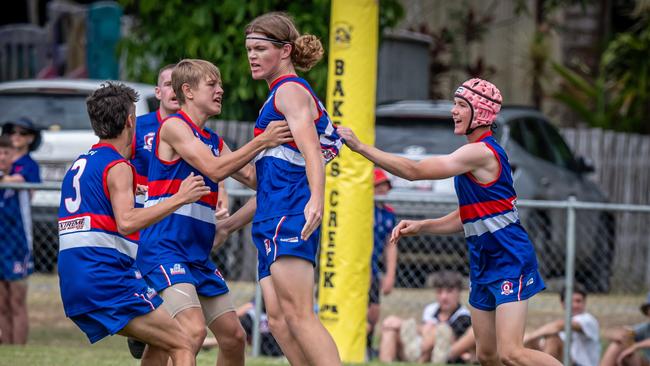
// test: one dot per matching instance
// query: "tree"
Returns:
(168, 31)
(618, 97)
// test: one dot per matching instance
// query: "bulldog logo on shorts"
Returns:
(177, 269)
(506, 288)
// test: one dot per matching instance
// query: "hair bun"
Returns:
(307, 51)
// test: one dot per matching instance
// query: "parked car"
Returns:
(59, 107)
(544, 168)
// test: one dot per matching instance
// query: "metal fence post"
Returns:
(569, 277)
(256, 321)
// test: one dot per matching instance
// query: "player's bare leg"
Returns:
(484, 326)
(192, 322)
(165, 337)
(510, 326)
(231, 339)
(293, 280)
(278, 325)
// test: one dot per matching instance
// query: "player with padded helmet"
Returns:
(503, 266)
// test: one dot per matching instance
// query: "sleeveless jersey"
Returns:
(145, 130)
(282, 186)
(498, 244)
(188, 233)
(94, 259)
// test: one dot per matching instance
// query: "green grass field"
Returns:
(55, 340)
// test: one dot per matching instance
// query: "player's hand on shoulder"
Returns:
(405, 228)
(276, 133)
(349, 137)
(192, 188)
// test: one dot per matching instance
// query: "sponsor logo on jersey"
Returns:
(177, 269)
(506, 288)
(138, 275)
(267, 246)
(289, 240)
(74, 225)
(151, 293)
(148, 141)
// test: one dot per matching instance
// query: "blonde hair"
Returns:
(306, 49)
(191, 72)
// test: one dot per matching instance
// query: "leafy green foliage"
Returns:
(168, 31)
(619, 96)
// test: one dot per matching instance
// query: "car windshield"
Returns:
(417, 136)
(53, 111)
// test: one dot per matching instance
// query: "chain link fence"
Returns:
(604, 246)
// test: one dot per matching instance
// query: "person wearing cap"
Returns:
(384, 222)
(503, 265)
(629, 345)
(16, 261)
(585, 337)
(25, 138)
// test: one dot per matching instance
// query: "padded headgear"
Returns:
(485, 100)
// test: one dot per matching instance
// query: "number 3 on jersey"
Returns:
(72, 204)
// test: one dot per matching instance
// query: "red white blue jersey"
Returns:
(145, 130)
(498, 244)
(282, 186)
(187, 234)
(95, 260)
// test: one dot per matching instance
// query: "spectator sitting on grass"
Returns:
(585, 337)
(445, 334)
(626, 341)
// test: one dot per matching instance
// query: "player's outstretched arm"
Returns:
(467, 158)
(179, 136)
(130, 219)
(448, 224)
(390, 259)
